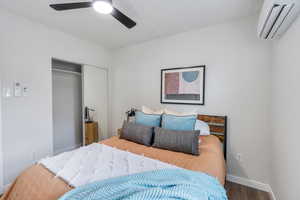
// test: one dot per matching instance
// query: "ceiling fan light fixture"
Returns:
(103, 6)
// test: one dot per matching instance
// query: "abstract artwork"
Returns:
(183, 85)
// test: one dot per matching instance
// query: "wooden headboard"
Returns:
(218, 128)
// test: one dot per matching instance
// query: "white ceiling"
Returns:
(155, 18)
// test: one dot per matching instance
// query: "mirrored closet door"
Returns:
(95, 98)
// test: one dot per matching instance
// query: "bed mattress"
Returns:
(38, 183)
(98, 162)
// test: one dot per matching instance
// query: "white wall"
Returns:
(285, 115)
(25, 56)
(237, 85)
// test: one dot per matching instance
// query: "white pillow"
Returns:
(149, 111)
(203, 127)
(170, 112)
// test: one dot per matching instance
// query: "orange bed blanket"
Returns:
(37, 183)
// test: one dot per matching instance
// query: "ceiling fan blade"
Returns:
(70, 6)
(126, 21)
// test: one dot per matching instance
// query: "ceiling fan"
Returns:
(101, 6)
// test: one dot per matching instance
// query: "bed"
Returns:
(37, 182)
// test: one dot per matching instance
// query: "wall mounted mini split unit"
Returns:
(276, 17)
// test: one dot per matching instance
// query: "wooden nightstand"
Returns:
(91, 133)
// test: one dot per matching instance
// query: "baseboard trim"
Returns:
(252, 183)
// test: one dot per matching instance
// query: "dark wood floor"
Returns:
(239, 192)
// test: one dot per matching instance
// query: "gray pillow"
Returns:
(181, 141)
(137, 133)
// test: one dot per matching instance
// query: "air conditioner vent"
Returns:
(276, 18)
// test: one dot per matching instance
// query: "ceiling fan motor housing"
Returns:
(108, 1)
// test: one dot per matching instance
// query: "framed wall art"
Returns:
(183, 85)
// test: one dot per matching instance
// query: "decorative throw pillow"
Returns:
(179, 123)
(147, 110)
(137, 133)
(203, 127)
(180, 141)
(171, 112)
(147, 119)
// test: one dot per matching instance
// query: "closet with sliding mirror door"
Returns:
(95, 98)
(79, 97)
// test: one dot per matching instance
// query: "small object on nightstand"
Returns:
(87, 114)
(130, 114)
(91, 132)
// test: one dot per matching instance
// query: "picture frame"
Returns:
(185, 85)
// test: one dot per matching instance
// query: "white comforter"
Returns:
(98, 162)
